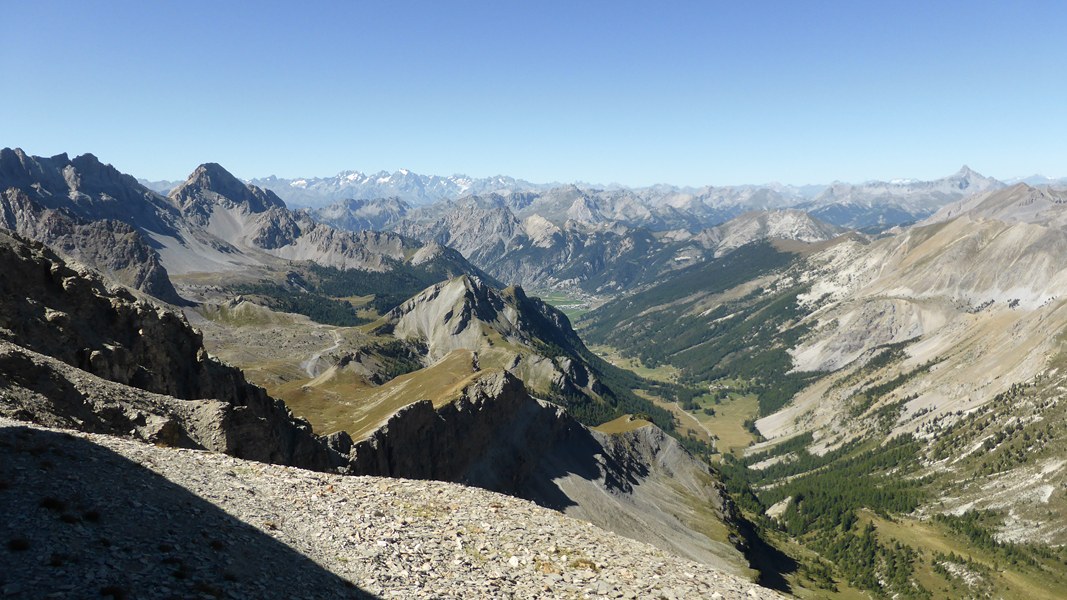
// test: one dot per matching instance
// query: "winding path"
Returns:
(311, 365)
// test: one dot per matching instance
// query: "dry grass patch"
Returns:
(728, 422)
(623, 424)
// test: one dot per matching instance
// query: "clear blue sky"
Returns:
(630, 92)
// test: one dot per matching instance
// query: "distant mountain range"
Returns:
(875, 205)
(872, 205)
(604, 241)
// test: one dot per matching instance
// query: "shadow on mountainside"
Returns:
(80, 520)
(771, 563)
(497, 437)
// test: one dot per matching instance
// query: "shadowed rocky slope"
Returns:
(48, 308)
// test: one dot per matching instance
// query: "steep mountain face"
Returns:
(882, 204)
(89, 212)
(76, 353)
(210, 186)
(377, 214)
(111, 246)
(86, 188)
(639, 483)
(409, 187)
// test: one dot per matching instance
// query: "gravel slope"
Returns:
(97, 516)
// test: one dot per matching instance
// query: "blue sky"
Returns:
(630, 92)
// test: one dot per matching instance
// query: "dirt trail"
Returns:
(311, 365)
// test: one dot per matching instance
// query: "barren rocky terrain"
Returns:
(94, 516)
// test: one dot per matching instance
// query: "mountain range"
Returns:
(237, 255)
(607, 241)
(846, 391)
(873, 205)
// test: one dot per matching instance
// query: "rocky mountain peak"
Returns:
(457, 314)
(969, 180)
(210, 184)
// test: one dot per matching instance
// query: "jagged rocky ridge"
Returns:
(523, 335)
(84, 209)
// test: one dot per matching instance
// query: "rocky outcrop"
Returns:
(641, 483)
(49, 308)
